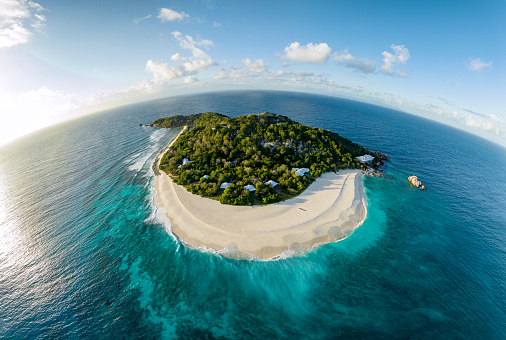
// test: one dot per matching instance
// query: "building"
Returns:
(301, 171)
(224, 185)
(271, 183)
(186, 161)
(365, 159)
(249, 187)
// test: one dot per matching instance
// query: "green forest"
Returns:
(251, 150)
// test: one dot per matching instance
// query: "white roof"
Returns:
(249, 187)
(300, 171)
(365, 158)
(224, 185)
(185, 160)
(271, 183)
(205, 176)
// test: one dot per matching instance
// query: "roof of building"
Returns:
(249, 187)
(224, 185)
(300, 171)
(271, 183)
(365, 158)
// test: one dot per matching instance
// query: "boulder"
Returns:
(414, 181)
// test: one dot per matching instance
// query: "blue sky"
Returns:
(444, 60)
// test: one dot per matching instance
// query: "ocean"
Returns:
(84, 254)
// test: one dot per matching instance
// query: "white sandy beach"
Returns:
(328, 210)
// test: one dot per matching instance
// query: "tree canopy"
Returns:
(251, 150)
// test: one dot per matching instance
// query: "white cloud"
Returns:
(235, 73)
(471, 118)
(198, 65)
(478, 65)
(301, 78)
(137, 20)
(178, 58)
(217, 24)
(198, 61)
(190, 80)
(16, 16)
(258, 66)
(311, 53)
(188, 43)
(401, 56)
(360, 64)
(167, 14)
(163, 72)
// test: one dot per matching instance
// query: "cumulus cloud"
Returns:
(17, 19)
(311, 53)
(163, 72)
(198, 61)
(400, 56)
(178, 58)
(258, 66)
(137, 20)
(478, 65)
(359, 64)
(190, 80)
(167, 14)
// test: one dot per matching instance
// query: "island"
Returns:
(259, 186)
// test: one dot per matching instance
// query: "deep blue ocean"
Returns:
(83, 254)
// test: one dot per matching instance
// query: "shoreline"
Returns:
(329, 210)
(156, 163)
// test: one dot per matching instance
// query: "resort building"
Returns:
(365, 158)
(249, 187)
(224, 185)
(301, 171)
(271, 183)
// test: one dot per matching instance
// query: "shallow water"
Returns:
(82, 254)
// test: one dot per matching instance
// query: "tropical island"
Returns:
(260, 186)
(254, 159)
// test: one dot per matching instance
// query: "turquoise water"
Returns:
(83, 254)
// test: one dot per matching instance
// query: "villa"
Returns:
(365, 159)
(271, 183)
(249, 187)
(224, 185)
(300, 171)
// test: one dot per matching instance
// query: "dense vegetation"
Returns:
(252, 150)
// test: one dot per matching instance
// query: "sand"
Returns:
(327, 211)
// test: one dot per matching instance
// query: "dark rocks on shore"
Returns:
(382, 156)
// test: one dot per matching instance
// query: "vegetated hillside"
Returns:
(191, 120)
(252, 150)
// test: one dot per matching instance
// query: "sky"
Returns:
(444, 60)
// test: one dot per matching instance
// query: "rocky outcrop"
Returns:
(415, 182)
(381, 156)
